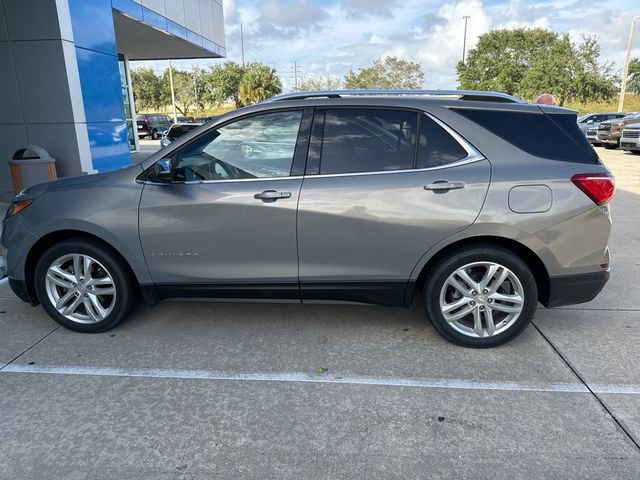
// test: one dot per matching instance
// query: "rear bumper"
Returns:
(572, 289)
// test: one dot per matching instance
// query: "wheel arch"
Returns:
(46, 241)
(533, 261)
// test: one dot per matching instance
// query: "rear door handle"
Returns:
(444, 185)
(271, 195)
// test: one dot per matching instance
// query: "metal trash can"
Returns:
(31, 165)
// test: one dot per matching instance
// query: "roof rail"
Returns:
(459, 94)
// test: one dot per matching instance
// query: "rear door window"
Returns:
(437, 147)
(367, 140)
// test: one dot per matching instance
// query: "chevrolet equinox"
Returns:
(479, 202)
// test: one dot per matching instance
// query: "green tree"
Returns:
(184, 88)
(320, 83)
(387, 73)
(528, 62)
(570, 72)
(633, 80)
(501, 59)
(258, 83)
(222, 84)
(147, 89)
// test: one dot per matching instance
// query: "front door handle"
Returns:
(444, 185)
(271, 195)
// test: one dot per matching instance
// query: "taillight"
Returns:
(599, 187)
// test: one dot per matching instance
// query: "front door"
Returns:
(225, 226)
(377, 202)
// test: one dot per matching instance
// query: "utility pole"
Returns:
(295, 75)
(173, 94)
(464, 40)
(195, 89)
(242, 43)
(623, 88)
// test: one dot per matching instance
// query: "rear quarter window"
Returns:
(552, 136)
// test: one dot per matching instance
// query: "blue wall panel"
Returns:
(97, 57)
(92, 23)
(109, 145)
(129, 7)
(101, 90)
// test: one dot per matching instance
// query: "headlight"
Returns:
(17, 207)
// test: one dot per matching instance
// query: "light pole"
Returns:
(623, 89)
(464, 40)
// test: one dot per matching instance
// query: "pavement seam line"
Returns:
(566, 361)
(25, 351)
(296, 377)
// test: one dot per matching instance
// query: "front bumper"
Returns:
(19, 287)
(572, 289)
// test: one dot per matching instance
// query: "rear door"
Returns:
(377, 196)
(226, 225)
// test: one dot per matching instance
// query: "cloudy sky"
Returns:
(331, 37)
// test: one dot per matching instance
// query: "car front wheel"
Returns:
(481, 297)
(84, 286)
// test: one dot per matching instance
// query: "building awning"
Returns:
(157, 38)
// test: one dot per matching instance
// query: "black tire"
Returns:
(610, 146)
(445, 266)
(127, 291)
(154, 134)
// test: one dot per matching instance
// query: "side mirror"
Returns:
(161, 171)
(591, 120)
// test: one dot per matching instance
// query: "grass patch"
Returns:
(631, 104)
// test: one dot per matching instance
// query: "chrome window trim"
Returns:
(234, 180)
(464, 161)
(473, 155)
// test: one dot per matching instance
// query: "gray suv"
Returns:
(478, 202)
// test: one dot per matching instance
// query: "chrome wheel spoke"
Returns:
(503, 297)
(457, 304)
(77, 267)
(488, 276)
(488, 320)
(460, 314)
(99, 282)
(62, 301)
(506, 308)
(457, 285)
(477, 322)
(61, 278)
(462, 273)
(71, 308)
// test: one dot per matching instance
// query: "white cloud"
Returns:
(331, 37)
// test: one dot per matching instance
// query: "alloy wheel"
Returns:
(80, 288)
(482, 299)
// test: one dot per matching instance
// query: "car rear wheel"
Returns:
(154, 135)
(84, 286)
(481, 297)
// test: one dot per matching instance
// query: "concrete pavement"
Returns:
(206, 390)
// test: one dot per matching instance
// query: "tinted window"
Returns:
(178, 130)
(554, 136)
(254, 147)
(437, 147)
(367, 140)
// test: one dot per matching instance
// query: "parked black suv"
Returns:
(152, 125)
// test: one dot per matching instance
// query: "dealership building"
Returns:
(65, 79)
